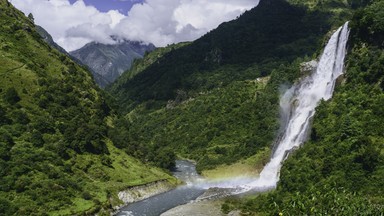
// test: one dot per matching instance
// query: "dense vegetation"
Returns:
(339, 171)
(214, 100)
(141, 64)
(203, 100)
(55, 155)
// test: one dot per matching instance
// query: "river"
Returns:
(154, 206)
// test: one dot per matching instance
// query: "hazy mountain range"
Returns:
(110, 61)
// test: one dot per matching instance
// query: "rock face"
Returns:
(308, 67)
(110, 61)
(139, 193)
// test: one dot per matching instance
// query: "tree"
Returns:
(3, 116)
(369, 157)
(11, 96)
(30, 17)
(6, 207)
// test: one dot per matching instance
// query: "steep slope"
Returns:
(139, 65)
(339, 171)
(55, 155)
(49, 40)
(100, 80)
(216, 100)
(110, 61)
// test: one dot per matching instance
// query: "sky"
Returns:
(123, 6)
(74, 23)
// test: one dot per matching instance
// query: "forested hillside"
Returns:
(269, 34)
(65, 150)
(48, 39)
(340, 170)
(55, 155)
(216, 100)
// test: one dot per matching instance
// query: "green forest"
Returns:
(339, 171)
(68, 147)
(213, 110)
(55, 154)
(216, 101)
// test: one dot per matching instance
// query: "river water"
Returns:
(154, 206)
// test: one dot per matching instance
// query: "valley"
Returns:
(280, 110)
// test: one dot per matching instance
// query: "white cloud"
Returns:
(168, 21)
(160, 22)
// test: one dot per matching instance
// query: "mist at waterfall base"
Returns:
(297, 106)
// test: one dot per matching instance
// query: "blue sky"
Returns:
(123, 6)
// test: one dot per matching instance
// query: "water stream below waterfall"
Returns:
(154, 206)
(298, 106)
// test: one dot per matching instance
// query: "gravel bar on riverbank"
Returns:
(204, 208)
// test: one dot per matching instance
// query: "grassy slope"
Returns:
(225, 130)
(249, 167)
(47, 166)
(104, 182)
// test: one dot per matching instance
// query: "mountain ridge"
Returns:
(48, 39)
(215, 100)
(253, 43)
(111, 60)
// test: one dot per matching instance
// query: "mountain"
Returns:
(65, 150)
(244, 42)
(215, 100)
(339, 171)
(56, 157)
(49, 40)
(110, 61)
(141, 64)
(100, 80)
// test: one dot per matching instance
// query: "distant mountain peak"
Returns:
(111, 60)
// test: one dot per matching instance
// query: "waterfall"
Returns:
(297, 109)
(300, 101)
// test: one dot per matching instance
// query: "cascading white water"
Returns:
(302, 100)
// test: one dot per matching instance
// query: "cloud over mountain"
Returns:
(160, 22)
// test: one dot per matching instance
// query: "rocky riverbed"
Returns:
(202, 208)
(196, 197)
(138, 193)
(165, 198)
